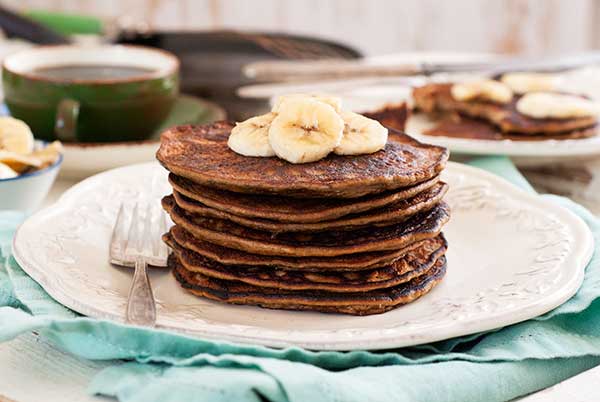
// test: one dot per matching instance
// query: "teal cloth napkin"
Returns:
(164, 366)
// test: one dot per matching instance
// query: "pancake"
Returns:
(393, 116)
(438, 97)
(229, 256)
(464, 127)
(413, 264)
(389, 215)
(201, 154)
(356, 303)
(288, 209)
(424, 225)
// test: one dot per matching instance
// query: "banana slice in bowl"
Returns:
(15, 136)
(47, 155)
(19, 162)
(24, 189)
(27, 168)
(6, 172)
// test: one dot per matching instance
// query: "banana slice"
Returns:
(487, 90)
(333, 101)
(551, 105)
(49, 154)
(251, 137)
(361, 135)
(523, 82)
(15, 136)
(6, 172)
(305, 130)
(18, 162)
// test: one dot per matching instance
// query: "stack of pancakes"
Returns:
(492, 121)
(347, 234)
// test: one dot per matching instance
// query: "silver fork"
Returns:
(136, 242)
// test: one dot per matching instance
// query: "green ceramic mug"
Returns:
(91, 94)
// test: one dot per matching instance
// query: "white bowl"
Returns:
(25, 193)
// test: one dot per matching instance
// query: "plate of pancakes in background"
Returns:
(469, 128)
(394, 248)
(482, 127)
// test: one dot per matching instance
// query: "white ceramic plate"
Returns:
(512, 256)
(582, 80)
(527, 152)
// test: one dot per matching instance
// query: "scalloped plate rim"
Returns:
(337, 340)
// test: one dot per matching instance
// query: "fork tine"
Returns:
(138, 234)
(118, 239)
(147, 246)
(133, 235)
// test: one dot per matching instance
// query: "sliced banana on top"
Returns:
(552, 105)
(523, 82)
(6, 172)
(15, 136)
(361, 135)
(487, 90)
(305, 130)
(333, 101)
(251, 137)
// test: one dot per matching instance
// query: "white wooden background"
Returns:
(375, 26)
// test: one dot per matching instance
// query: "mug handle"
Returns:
(65, 126)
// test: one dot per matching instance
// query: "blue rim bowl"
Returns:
(26, 192)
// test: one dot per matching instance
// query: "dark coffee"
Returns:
(90, 72)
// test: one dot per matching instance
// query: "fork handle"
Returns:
(141, 309)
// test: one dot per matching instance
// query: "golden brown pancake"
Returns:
(438, 98)
(465, 127)
(424, 225)
(229, 256)
(413, 264)
(201, 154)
(386, 216)
(289, 209)
(356, 303)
